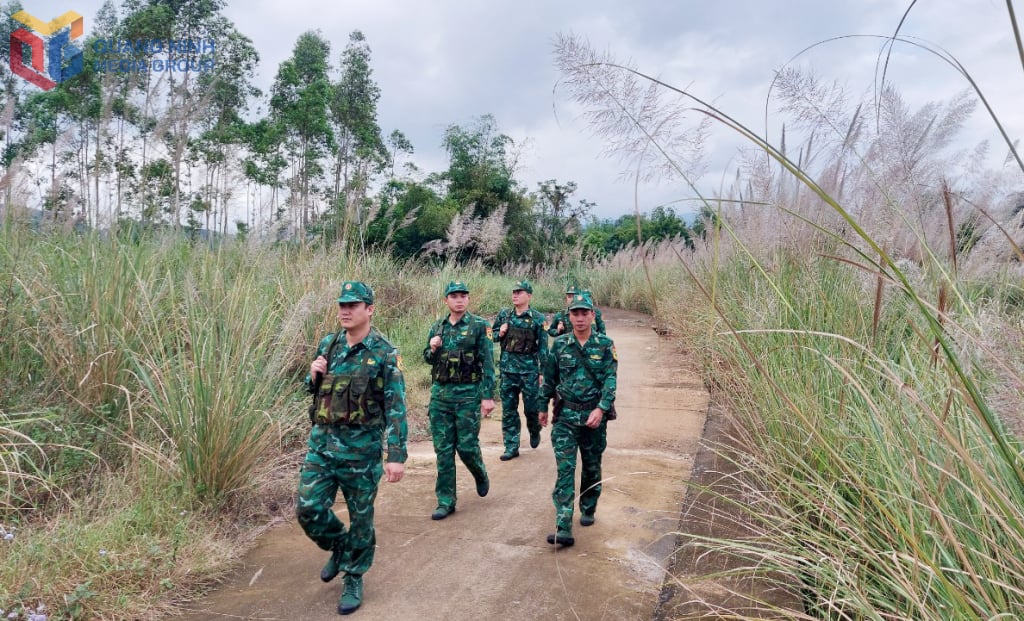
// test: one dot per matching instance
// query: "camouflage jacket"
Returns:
(528, 327)
(563, 317)
(564, 371)
(377, 359)
(466, 348)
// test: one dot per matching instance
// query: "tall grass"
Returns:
(152, 408)
(849, 336)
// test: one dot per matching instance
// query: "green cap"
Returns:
(523, 285)
(355, 291)
(571, 289)
(581, 301)
(455, 286)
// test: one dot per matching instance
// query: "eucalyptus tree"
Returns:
(226, 90)
(176, 91)
(299, 104)
(264, 163)
(361, 152)
(398, 143)
(40, 120)
(141, 21)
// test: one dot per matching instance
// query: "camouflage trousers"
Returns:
(570, 434)
(324, 472)
(455, 428)
(512, 385)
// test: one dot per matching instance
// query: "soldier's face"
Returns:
(520, 297)
(354, 315)
(581, 318)
(457, 302)
(568, 298)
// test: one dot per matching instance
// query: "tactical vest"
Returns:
(457, 366)
(520, 341)
(355, 399)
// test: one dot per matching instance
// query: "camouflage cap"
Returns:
(456, 286)
(523, 285)
(581, 301)
(571, 289)
(355, 291)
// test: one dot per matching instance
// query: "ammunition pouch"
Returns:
(520, 341)
(457, 366)
(350, 400)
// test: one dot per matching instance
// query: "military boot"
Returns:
(332, 567)
(483, 486)
(352, 596)
(534, 439)
(562, 537)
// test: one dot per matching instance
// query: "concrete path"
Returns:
(490, 559)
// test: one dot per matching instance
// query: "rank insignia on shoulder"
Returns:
(615, 355)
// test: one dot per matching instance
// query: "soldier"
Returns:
(598, 319)
(359, 397)
(460, 350)
(524, 343)
(580, 374)
(560, 322)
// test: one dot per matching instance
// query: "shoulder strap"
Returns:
(330, 348)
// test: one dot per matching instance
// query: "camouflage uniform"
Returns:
(367, 402)
(524, 345)
(463, 374)
(562, 317)
(566, 371)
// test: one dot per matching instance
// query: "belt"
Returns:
(344, 421)
(589, 405)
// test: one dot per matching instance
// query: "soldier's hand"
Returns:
(318, 366)
(561, 327)
(486, 407)
(542, 417)
(394, 472)
(435, 342)
(503, 329)
(595, 418)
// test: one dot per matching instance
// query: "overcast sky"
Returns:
(447, 61)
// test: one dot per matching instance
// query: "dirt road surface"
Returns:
(490, 560)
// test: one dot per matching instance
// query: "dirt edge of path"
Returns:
(687, 592)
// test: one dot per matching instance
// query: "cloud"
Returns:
(449, 61)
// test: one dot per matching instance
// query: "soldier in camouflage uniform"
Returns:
(359, 398)
(560, 323)
(524, 343)
(460, 351)
(581, 370)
